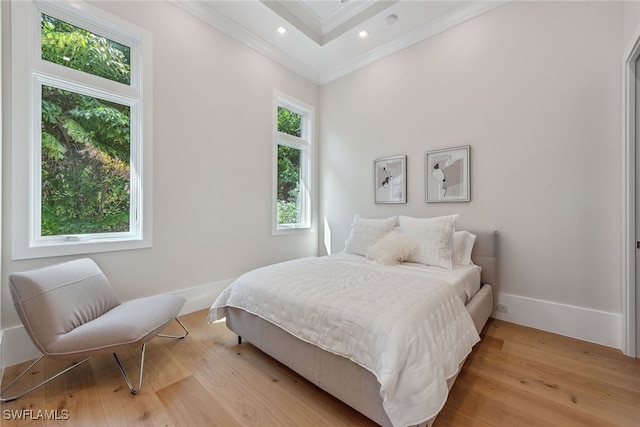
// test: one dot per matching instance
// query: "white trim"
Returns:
(322, 26)
(2, 359)
(201, 297)
(629, 332)
(445, 22)
(219, 21)
(323, 30)
(16, 346)
(135, 232)
(29, 72)
(304, 143)
(1, 150)
(577, 322)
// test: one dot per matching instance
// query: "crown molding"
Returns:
(351, 10)
(210, 16)
(217, 20)
(443, 23)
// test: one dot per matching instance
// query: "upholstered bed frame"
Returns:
(342, 378)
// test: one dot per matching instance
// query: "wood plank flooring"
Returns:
(516, 376)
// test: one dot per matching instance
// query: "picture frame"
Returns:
(390, 180)
(447, 175)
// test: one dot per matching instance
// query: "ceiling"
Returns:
(322, 40)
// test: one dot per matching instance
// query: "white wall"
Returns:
(535, 89)
(631, 20)
(212, 162)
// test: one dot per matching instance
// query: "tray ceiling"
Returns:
(322, 40)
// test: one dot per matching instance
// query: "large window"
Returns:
(80, 150)
(292, 159)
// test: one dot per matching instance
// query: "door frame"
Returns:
(629, 333)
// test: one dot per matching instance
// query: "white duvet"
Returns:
(409, 329)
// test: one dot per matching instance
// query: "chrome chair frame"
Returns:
(76, 364)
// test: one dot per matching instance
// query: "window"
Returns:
(292, 165)
(81, 137)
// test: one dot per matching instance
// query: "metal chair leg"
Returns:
(144, 346)
(124, 373)
(178, 337)
(12, 398)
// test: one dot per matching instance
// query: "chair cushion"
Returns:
(71, 310)
(130, 324)
(54, 300)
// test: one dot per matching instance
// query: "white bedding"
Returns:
(465, 279)
(404, 323)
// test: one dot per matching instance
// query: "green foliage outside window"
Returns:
(289, 163)
(85, 140)
(289, 122)
(73, 47)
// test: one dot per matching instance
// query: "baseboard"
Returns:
(16, 346)
(1, 351)
(201, 297)
(577, 322)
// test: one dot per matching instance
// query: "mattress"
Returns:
(411, 332)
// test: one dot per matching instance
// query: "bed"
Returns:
(379, 371)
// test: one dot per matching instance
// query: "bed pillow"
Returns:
(461, 247)
(433, 236)
(365, 232)
(393, 248)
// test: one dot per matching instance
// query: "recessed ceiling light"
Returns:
(363, 33)
(281, 30)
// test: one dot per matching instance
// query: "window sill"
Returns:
(76, 248)
(283, 231)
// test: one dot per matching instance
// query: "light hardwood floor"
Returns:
(516, 376)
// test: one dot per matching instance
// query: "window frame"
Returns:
(304, 143)
(30, 72)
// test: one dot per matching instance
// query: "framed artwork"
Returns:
(447, 175)
(390, 180)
